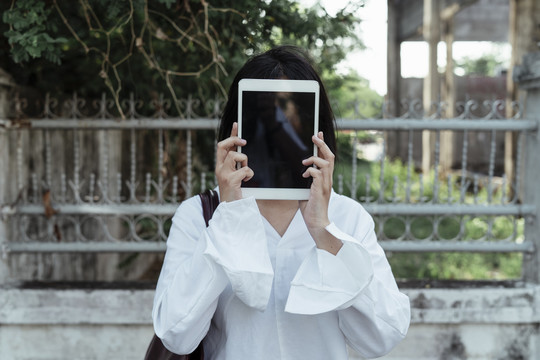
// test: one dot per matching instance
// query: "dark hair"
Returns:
(287, 62)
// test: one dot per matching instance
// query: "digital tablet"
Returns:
(278, 118)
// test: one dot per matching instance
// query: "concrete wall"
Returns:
(476, 323)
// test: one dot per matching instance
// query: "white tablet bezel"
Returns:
(271, 85)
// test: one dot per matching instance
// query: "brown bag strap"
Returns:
(210, 201)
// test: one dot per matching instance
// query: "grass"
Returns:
(462, 266)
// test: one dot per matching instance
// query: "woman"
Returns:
(277, 279)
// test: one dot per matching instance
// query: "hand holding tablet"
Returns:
(315, 210)
(228, 175)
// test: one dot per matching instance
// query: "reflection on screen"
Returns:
(278, 127)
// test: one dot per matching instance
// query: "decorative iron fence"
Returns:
(76, 179)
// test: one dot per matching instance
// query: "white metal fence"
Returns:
(78, 180)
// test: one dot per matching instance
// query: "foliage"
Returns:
(462, 266)
(29, 32)
(179, 47)
(485, 65)
(351, 96)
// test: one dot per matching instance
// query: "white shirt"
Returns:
(256, 295)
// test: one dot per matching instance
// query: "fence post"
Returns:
(527, 76)
(5, 84)
(4, 268)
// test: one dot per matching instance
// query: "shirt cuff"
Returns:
(236, 240)
(325, 282)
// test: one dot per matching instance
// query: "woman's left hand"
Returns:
(315, 209)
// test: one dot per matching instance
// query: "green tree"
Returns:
(351, 96)
(485, 65)
(177, 47)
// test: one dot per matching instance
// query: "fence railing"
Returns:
(75, 182)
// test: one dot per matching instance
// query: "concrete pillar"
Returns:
(393, 139)
(449, 93)
(432, 35)
(393, 58)
(524, 36)
(527, 76)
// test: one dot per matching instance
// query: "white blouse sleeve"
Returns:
(237, 241)
(200, 262)
(358, 282)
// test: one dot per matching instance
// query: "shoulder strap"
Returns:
(210, 201)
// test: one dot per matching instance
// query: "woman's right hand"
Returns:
(229, 177)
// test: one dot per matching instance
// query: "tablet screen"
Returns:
(278, 127)
(278, 119)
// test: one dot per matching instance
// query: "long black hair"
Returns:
(283, 62)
